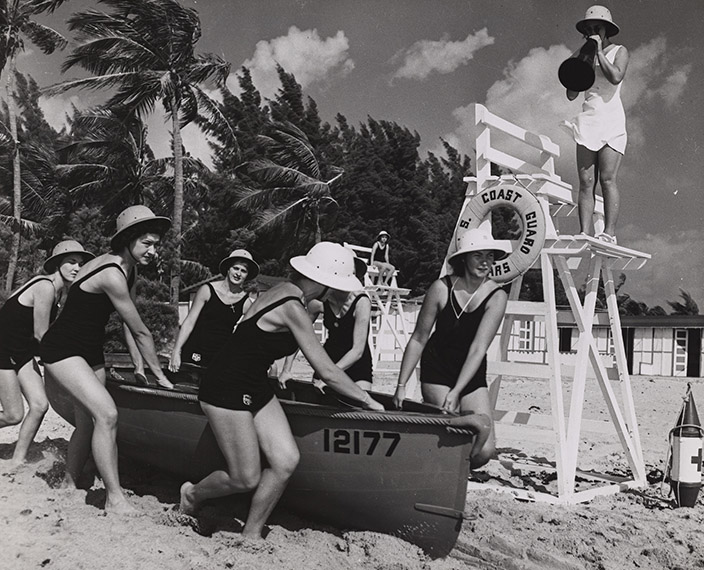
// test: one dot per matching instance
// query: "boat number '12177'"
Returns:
(356, 442)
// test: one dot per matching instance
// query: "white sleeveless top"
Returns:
(602, 121)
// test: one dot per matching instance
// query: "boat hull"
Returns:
(394, 472)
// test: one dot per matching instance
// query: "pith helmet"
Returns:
(602, 14)
(329, 264)
(62, 249)
(134, 215)
(478, 239)
(240, 255)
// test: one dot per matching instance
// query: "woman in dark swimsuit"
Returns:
(72, 348)
(346, 317)
(379, 258)
(236, 396)
(24, 318)
(215, 311)
(466, 309)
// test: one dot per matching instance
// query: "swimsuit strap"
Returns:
(448, 282)
(489, 295)
(212, 292)
(29, 284)
(273, 306)
(354, 303)
(99, 269)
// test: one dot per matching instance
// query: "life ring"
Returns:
(523, 202)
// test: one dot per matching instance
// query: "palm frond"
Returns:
(102, 82)
(42, 6)
(44, 37)
(215, 120)
(254, 199)
(268, 173)
(28, 227)
(288, 145)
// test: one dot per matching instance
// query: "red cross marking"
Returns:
(697, 460)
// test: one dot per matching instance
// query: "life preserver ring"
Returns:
(530, 211)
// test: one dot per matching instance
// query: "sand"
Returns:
(45, 527)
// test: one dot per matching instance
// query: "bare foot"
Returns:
(121, 507)
(187, 504)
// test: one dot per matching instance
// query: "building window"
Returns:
(565, 339)
(525, 336)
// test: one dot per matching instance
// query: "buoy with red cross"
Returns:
(685, 466)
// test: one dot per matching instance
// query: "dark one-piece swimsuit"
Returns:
(447, 349)
(237, 376)
(341, 337)
(17, 342)
(80, 328)
(214, 325)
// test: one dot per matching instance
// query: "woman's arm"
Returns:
(199, 301)
(360, 336)
(42, 299)
(249, 301)
(132, 348)
(494, 312)
(298, 322)
(386, 253)
(432, 305)
(372, 252)
(114, 284)
(616, 71)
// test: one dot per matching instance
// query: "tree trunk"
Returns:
(17, 181)
(177, 222)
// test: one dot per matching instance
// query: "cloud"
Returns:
(530, 95)
(426, 56)
(303, 53)
(653, 75)
(669, 270)
(58, 108)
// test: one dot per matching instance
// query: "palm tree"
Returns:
(688, 306)
(289, 194)
(16, 23)
(109, 161)
(145, 50)
(38, 184)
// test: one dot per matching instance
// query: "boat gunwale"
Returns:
(309, 408)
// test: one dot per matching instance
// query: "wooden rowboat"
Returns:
(402, 473)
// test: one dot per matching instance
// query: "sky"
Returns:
(423, 63)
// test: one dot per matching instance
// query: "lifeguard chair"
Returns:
(565, 253)
(390, 320)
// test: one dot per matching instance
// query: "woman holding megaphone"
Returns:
(600, 129)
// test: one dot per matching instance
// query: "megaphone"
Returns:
(577, 72)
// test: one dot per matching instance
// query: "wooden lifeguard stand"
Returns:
(564, 253)
(388, 299)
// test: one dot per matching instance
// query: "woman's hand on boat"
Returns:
(284, 377)
(175, 361)
(451, 404)
(399, 397)
(371, 404)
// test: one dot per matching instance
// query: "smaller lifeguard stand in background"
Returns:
(563, 253)
(389, 319)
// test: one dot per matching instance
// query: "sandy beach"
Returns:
(45, 527)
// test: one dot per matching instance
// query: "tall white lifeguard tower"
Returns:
(563, 254)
